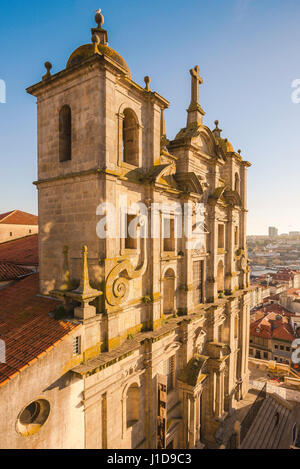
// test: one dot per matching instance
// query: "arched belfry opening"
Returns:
(65, 133)
(130, 138)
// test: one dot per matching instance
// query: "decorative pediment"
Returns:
(217, 350)
(217, 195)
(195, 370)
(232, 197)
(189, 182)
(225, 195)
(160, 171)
(200, 136)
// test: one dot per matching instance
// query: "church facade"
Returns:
(161, 356)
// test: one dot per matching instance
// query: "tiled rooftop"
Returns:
(17, 217)
(22, 251)
(9, 271)
(272, 326)
(26, 327)
(269, 428)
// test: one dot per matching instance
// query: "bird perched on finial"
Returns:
(99, 18)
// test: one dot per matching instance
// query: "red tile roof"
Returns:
(284, 275)
(22, 251)
(276, 308)
(9, 271)
(4, 215)
(273, 326)
(26, 327)
(17, 217)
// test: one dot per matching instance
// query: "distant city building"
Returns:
(272, 335)
(17, 224)
(273, 232)
(287, 277)
(294, 233)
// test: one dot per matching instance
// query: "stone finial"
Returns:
(99, 35)
(48, 66)
(147, 82)
(239, 152)
(217, 131)
(84, 294)
(195, 112)
(163, 134)
(84, 287)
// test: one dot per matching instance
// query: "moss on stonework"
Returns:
(61, 313)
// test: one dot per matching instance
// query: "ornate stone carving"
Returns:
(117, 282)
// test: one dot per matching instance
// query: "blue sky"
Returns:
(248, 52)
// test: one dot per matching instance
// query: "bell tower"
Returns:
(99, 132)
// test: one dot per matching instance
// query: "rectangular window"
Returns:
(221, 243)
(130, 242)
(276, 347)
(168, 234)
(236, 327)
(265, 355)
(236, 236)
(198, 282)
(77, 345)
(281, 347)
(169, 371)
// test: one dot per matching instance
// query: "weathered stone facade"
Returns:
(170, 317)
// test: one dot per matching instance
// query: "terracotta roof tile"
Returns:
(22, 251)
(9, 271)
(17, 217)
(273, 325)
(26, 327)
(4, 215)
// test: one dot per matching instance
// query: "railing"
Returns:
(249, 419)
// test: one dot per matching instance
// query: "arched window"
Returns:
(132, 405)
(237, 183)
(65, 134)
(169, 292)
(220, 276)
(130, 138)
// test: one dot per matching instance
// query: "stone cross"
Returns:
(196, 80)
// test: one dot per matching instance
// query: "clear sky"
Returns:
(248, 52)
